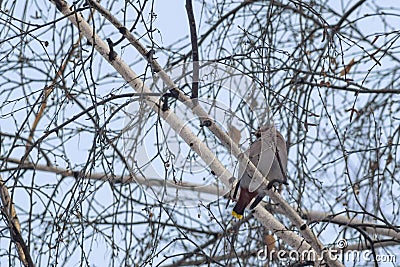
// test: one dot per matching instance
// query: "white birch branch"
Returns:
(367, 226)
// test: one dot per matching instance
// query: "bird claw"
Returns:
(276, 181)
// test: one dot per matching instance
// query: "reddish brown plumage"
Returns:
(245, 198)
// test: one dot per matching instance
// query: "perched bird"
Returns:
(268, 153)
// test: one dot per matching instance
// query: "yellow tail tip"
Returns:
(238, 216)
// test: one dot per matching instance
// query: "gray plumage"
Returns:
(262, 153)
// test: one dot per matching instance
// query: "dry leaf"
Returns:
(234, 134)
(389, 159)
(253, 103)
(269, 241)
(346, 70)
(356, 189)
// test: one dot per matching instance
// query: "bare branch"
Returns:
(195, 48)
(14, 226)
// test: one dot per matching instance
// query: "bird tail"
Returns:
(245, 198)
(238, 214)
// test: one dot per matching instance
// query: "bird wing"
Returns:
(264, 152)
(278, 171)
(254, 155)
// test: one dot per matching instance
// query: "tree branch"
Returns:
(149, 182)
(368, 226)
(179, 126)
(14, 226)
(195, 48)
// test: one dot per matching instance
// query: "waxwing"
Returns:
(268, 153)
